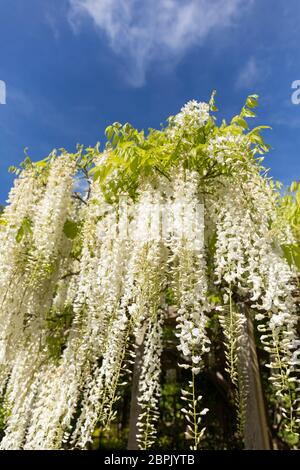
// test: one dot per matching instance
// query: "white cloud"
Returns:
(148, 31)
(251, 73)
(51, 21)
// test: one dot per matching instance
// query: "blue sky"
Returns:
(72, 67)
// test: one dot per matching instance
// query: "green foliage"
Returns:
(58, 323)
(3, 222)
(170, 296)
(289, 215)
(292, 254)
(290, 208)
(39, 168)
(72, 229)
(131, 156)
(24, 229)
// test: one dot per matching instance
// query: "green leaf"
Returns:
(294, 186)
(24, 229)
(251, 101)
(109, 132)
(248, 113)
(12, 169)
(292, 254)
(215, 299)
(96, 173)
(238, 120)
(258, 129)
(3, 222)
(71, 229)
(212, 101)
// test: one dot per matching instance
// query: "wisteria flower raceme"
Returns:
(194, 114)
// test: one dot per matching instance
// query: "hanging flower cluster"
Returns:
(86, 279)
(192, 114)
(254, 270)
(149, 385)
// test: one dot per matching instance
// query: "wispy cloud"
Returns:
(149, 31)
(51, 21)
(252, 72)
